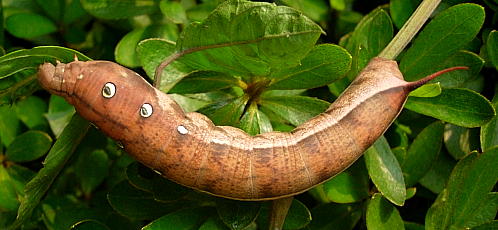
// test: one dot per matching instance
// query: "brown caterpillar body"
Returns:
(225, 161)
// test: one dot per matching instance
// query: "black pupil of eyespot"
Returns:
(107, 90)
(144, 111)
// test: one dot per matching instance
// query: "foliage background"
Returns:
(436, 168)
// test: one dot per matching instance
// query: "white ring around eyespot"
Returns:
(109, 90)
(146, 110)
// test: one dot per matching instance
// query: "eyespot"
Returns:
(109, 90)
(146, 110)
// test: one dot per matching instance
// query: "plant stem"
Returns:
(409, 29)
(279, 209)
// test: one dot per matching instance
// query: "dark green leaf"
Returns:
(382, 215)
(39, 144)
(349, 186)
(183, 219)
(248, 38)
(315, 9)
(323, 65)
(9, 124)
(460, 204)
(90, 225)
(92, 169)
(422, 153)
(59, 114)
(461, 107)
(435, 179)
(294, 109)
(8, 200)
(213, 224)
(297, 217)
(385, 172)
(333, 216)
(125, 51)
(29, 25)
(167, 191)
(254, 121)
(492, 48)
(238, 215)
(73, 11)
(493, 225)
(203, 82)
(30, 112)
(110, 9)
(19, 176)
(53, 164)
(54, 9)
(459, 78)
(137, 204)
(489, 131)
(191, 103)
(173, 11)
(401, 10)
(19, 86)
(448, 32)
(20, 60)
(227, 112)
(140, 177)
(152, 52)
(460, 141)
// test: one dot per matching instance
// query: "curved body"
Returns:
(225, 161)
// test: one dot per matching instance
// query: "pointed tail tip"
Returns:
(415, 84)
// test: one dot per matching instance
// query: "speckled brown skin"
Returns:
(225, 161)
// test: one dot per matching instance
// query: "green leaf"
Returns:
(297, 217)
(382, 215)
(368, 39)
(19, 86)
(151, 52)
(315, 9)
(39, 144)
(489, 131)
(53, 164)
(460, 205)
(428, 90)
(460, 141)
(236, 214)
(140, 177)
(30, 112)
(254, 121)
(59, 114)
(455, 78)
(29, 25)
(92, 169)
(492, 48)
(10, 125)
(436, 178)
(203, 82)
(349, 186)
(487, 226)
(422, 153)
(461, 107)
(89, 225)
(54, 9)
(73, 11)
(294, 109)
(110, 9)
(173, 11)
(448, 32)
(385, 171)
(323, 65)
(226, 112)
(20, 60)
(248, 38)
(8, 200)
(137, 204)
(125, 51)
(19, 176)
(401, 10)
(213, 224)
(189, 218)
(333, 216)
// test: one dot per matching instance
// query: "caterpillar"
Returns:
(225, 161)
